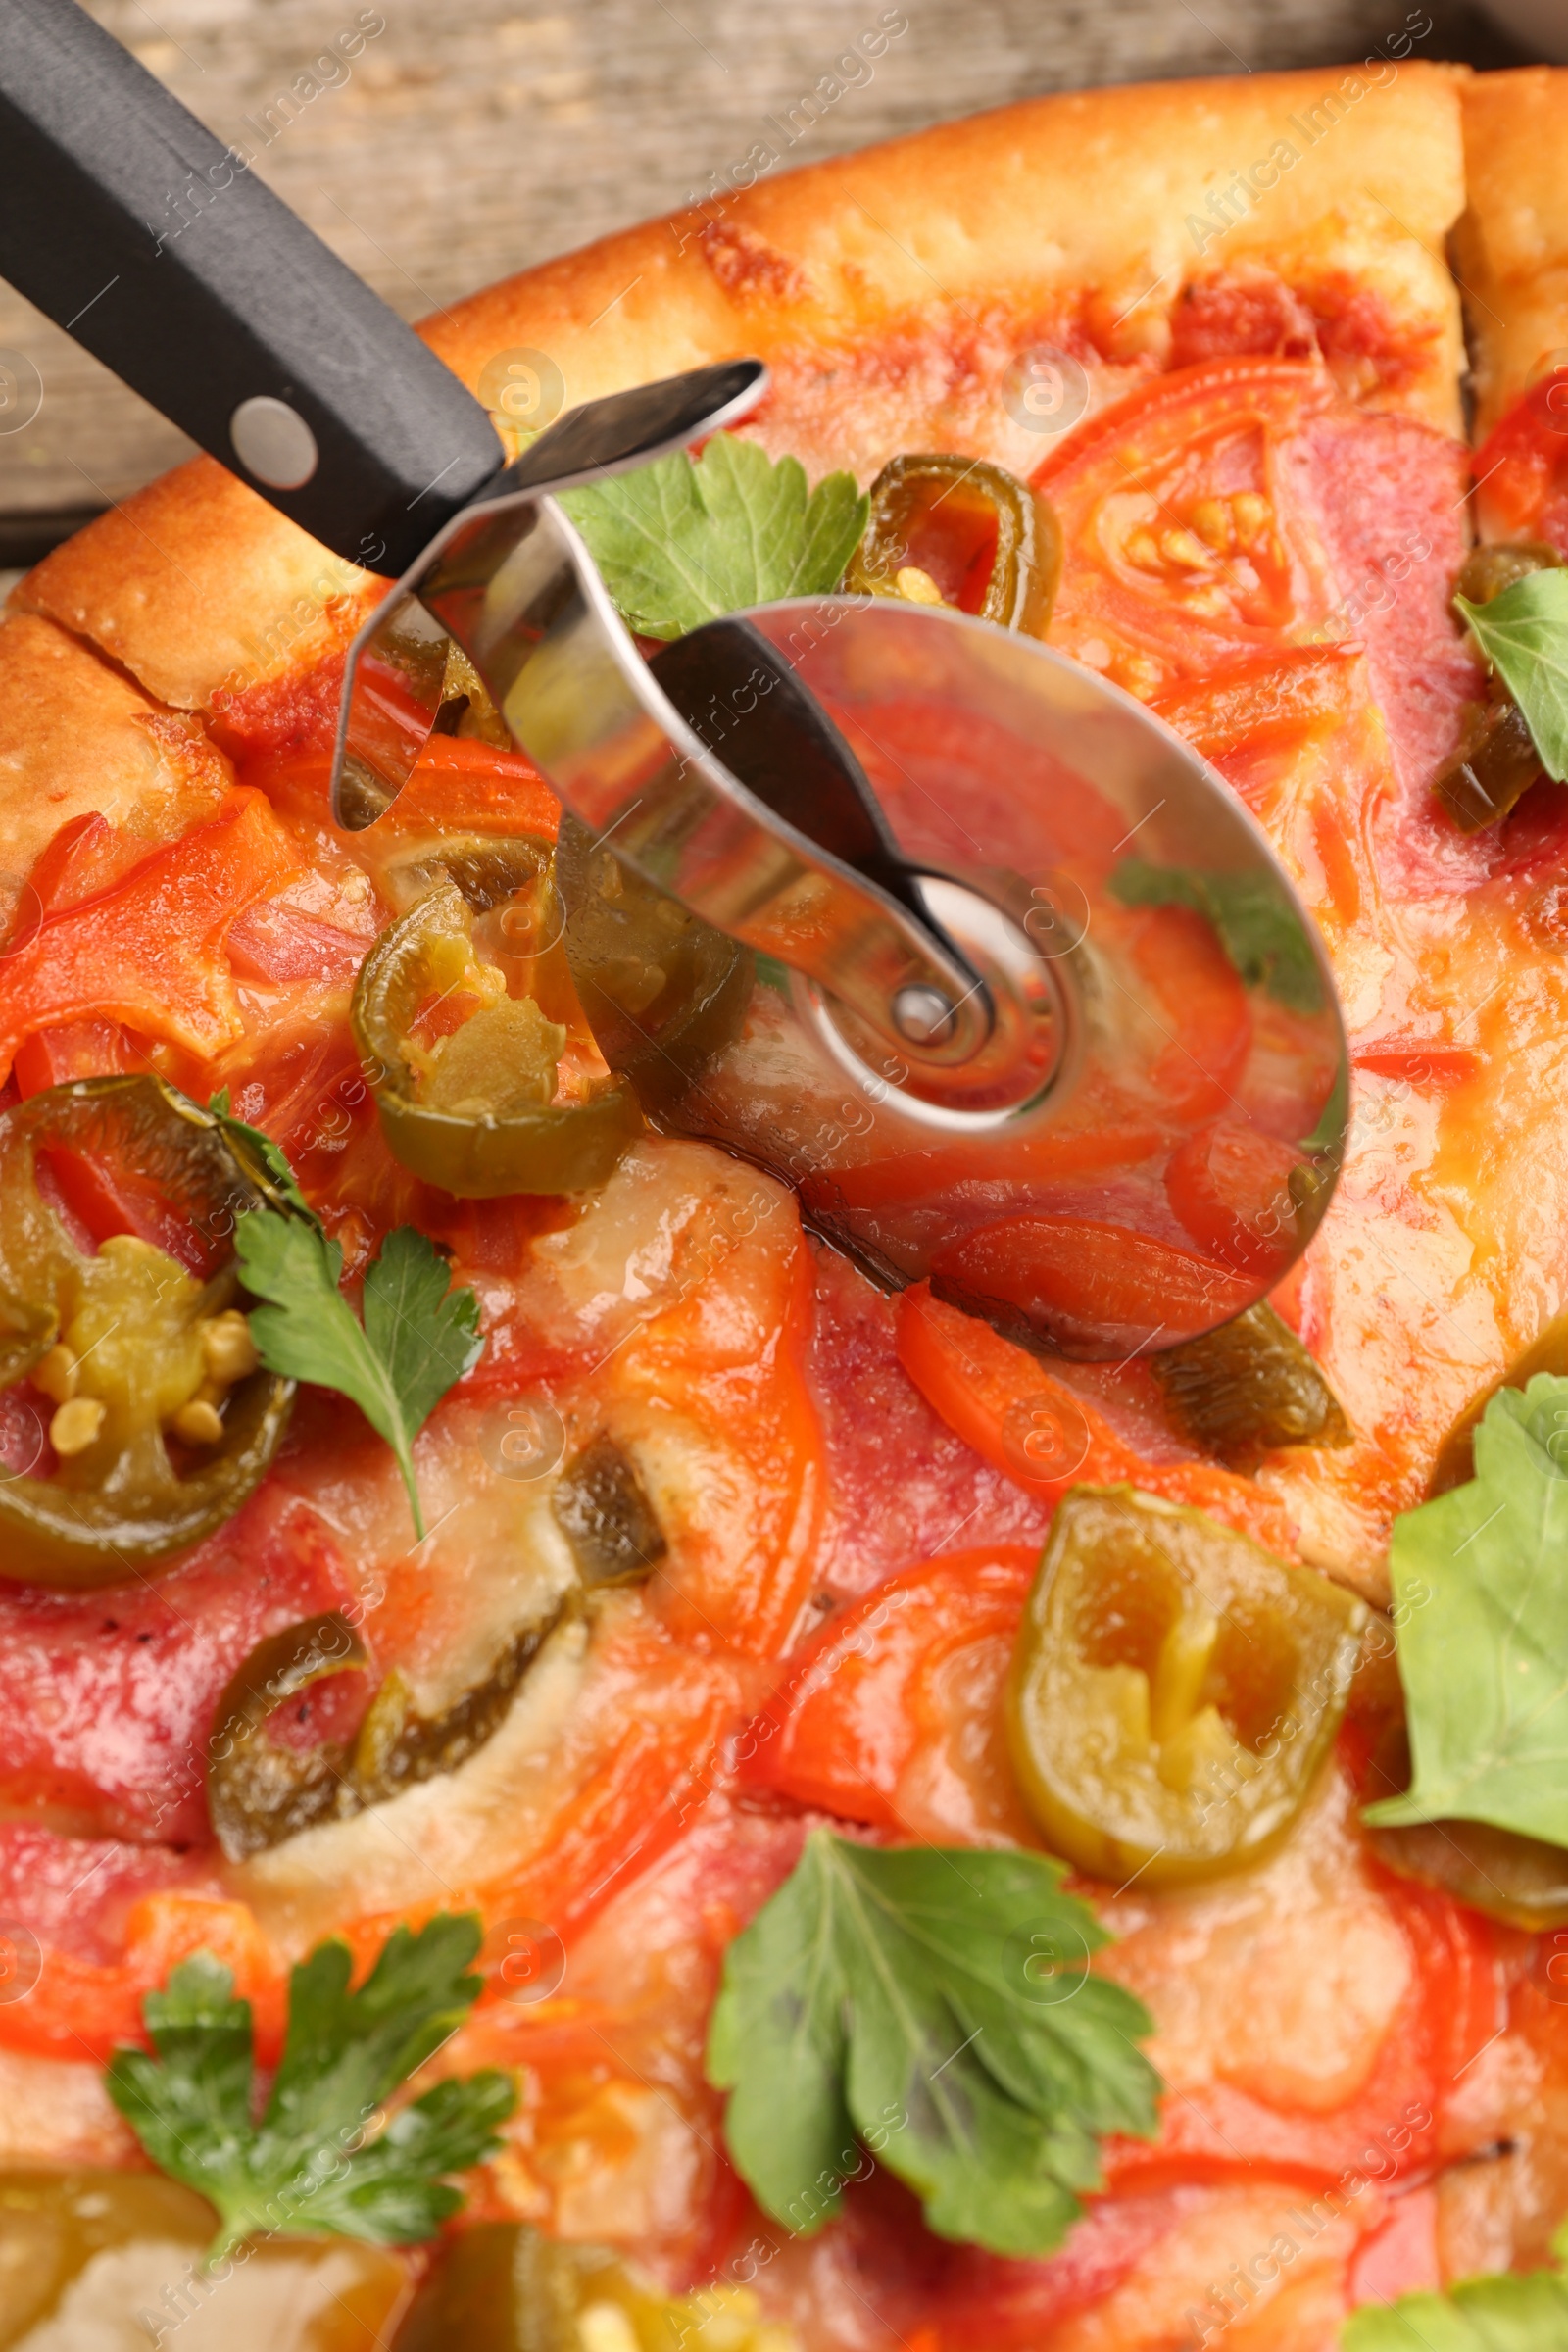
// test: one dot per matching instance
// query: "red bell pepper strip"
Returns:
(148, 949)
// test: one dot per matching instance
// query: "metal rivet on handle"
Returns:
(272, 442)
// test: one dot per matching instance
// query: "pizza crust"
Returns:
(1511, 244)
(200, 588)
(891, 292)
(76, 737)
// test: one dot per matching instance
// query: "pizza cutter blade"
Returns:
(946, 931)
(989, 963)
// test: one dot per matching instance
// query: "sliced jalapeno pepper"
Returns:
(663, 991)
(1248, 1387)
(140, 2239)
(490, 869)
(1496, 761)
(258, 1793)
(959, 531)
(1522, 1880)
(472, 1110)
(1174, 1689)
(606, 1518)
(136, 1355)
(503, 2286)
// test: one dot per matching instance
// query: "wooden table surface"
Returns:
(462, 145)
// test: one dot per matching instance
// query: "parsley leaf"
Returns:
(1481, 1591)
(1499, 2314)
(251, 1143)
(1523, 635)
(1255, 924)
(906, 1996)
(417, 1337)
(308, 2164)
(681, 541)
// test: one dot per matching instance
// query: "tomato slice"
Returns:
(1521, 468)
(1082, 1278)
(842, 1728)
(1036, 1429)
(1230, 1187)
(1184, 560)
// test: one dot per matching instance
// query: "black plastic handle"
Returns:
(133, 228)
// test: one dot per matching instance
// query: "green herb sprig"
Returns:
(684, 540)
(936, 2009)
(417, 1337)
(317, 2159)
(1480, 1581)
(1525, 2312)
(1523, 635)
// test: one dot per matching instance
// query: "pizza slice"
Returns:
(725, 1564)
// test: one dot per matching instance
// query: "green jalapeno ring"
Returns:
(488, 869)
(664, 991)
(550, 1148)
(1174, 1690)
(118, 1505)
(1246, 1388)
(1521, 1881)
(503, 2286)
(260, 1794)
(911, 490)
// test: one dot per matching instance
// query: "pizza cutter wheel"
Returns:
(1013, 989)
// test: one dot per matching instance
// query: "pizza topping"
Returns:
(259, 1793)
(1522, 631)
(1497, 759)
(163, 1419)
(508, 872)
(417, 1337)
(1250, 1385)
(1455, 1463)
(320, 2158)
(606, 1518)
(959, 531)
(936, 2007)
(664, 991)
(121, 934)
(1523, 1880)
(684, 540)
(97, 2258)
(467, 1079)
(1178, 506)
(1494, 766)
(1174, 1689)
(1482, 1605)
(1498, 2313)
(503, 2286)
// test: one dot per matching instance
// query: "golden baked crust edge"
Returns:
(890, 290)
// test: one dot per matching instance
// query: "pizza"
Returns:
(575, 1775)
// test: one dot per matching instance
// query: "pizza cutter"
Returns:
(910, 910)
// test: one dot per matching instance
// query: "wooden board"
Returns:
(460, 145)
